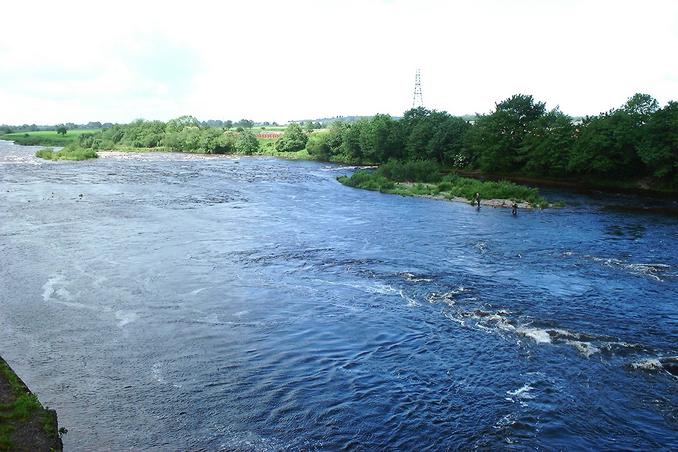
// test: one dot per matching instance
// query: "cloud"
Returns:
(270, 60)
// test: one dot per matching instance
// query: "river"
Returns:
(173, 302)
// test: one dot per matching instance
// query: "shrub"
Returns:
(46, 153)
(246, 143)
(368, 180)
(72, 151)
(294, 139)
(411, 171)
(318, 146)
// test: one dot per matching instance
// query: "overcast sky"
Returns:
(71, 61)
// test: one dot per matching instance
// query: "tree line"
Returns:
(183, 134)
(520, 136)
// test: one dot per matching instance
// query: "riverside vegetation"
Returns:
(24, 423)
(47, 137)
(634, 145)
(424, 178)
(71, 151)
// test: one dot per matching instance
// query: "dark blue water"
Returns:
(185, 302)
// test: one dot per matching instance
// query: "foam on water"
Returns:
(156, 372)
(414, 278)
(585, 348)
(48, 288)
(521, 393)
(648, 364)
(538, 335)
(501, 321)
(125, 317)
(652, 270)
(410, 301)
(667, 364)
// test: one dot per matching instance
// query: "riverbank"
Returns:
(24, 423)
(413, 179)
(46, 137)
(641, 187)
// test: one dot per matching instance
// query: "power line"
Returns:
(417, 99)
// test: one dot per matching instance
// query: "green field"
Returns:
(46, 137)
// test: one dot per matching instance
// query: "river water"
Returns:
(172, 302)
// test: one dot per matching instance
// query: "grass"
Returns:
(46, 137)
(70, 152)
(449, 187)
(267, 147)
(22, 408)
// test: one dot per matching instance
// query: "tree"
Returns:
(294, 139)
(522, 107)
(350, 142)
(641, 105)
(61, 130)
(335, 136)
(496, 139)
(547, 145)
(178, 124)
(379, 139)
(245, 123)
(447, 141)
(246, 143)
(606, 146)
(318, 145)
(658, 148)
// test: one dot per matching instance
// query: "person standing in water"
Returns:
(477, 199)
(514, 208)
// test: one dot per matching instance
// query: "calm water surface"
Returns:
(187, 302)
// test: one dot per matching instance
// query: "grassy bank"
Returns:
(424, 179)
(70, 152)
(642, 187)
(46, 137)
(24, 423)
(267, 147)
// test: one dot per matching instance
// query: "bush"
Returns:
(367, 180)
(46, 153)
(318, 146)
(246, 143)
(294, 139)
(411, 171)
(73, 151)
(451, 186)
(467, 188)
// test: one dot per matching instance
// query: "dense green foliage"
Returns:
(72, 151)
(520, 137)
(637, 141)
(294, 139)
(246, 143)
(450, 186)
(411, 171)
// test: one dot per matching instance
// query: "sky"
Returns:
(276, 60)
